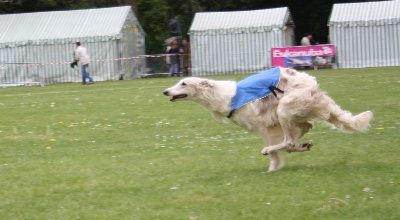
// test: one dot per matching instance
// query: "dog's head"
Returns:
(187, 89)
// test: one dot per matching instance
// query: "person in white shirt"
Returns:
(83, 59)
(306, 40)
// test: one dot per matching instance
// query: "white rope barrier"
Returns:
(98, 60)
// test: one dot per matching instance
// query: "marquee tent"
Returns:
(238, 41)
(37, 47)
(366, 34)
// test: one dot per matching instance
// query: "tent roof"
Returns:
(239, 21)
(74, 25)
(365, 14)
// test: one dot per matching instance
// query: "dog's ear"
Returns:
(206, 83)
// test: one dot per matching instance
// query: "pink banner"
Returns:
(316, 55)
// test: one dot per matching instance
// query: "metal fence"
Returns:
(159, 65)
(18, 74)
(28, 74)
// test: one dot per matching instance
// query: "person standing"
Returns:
(174, 27)
(306, 40)
(174, 59)
(83, 59)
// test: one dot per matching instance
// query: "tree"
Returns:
(154, 21)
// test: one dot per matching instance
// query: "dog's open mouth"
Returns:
(175, 97)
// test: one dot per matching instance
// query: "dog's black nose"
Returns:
(165, 92)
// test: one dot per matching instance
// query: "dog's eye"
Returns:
(183, 84)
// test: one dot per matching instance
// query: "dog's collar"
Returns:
(255, 87)
(230, 113)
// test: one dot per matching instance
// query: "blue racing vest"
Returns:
(255, 87)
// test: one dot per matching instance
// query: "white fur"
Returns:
(281, 120)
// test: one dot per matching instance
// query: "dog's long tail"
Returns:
(346, 122)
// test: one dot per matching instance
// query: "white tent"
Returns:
(239, 41)
(38, 46)
(366, 34)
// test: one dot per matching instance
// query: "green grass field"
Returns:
(121, 150)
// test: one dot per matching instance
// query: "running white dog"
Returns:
(282, 115)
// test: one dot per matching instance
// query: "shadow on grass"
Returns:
(323, 168)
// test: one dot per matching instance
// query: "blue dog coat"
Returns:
(255, 87)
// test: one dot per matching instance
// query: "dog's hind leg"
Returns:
(303, 129)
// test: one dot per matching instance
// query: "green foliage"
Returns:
(154, 21)
(121, 150)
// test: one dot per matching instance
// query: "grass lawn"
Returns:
(121, 150)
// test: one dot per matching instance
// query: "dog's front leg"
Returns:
(273, 135)
(276, 162)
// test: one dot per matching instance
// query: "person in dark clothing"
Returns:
(174, 27)
(174, 58)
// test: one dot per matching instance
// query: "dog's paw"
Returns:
(265, 151)
(306, 146)
(271, 170)
(300, 147)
